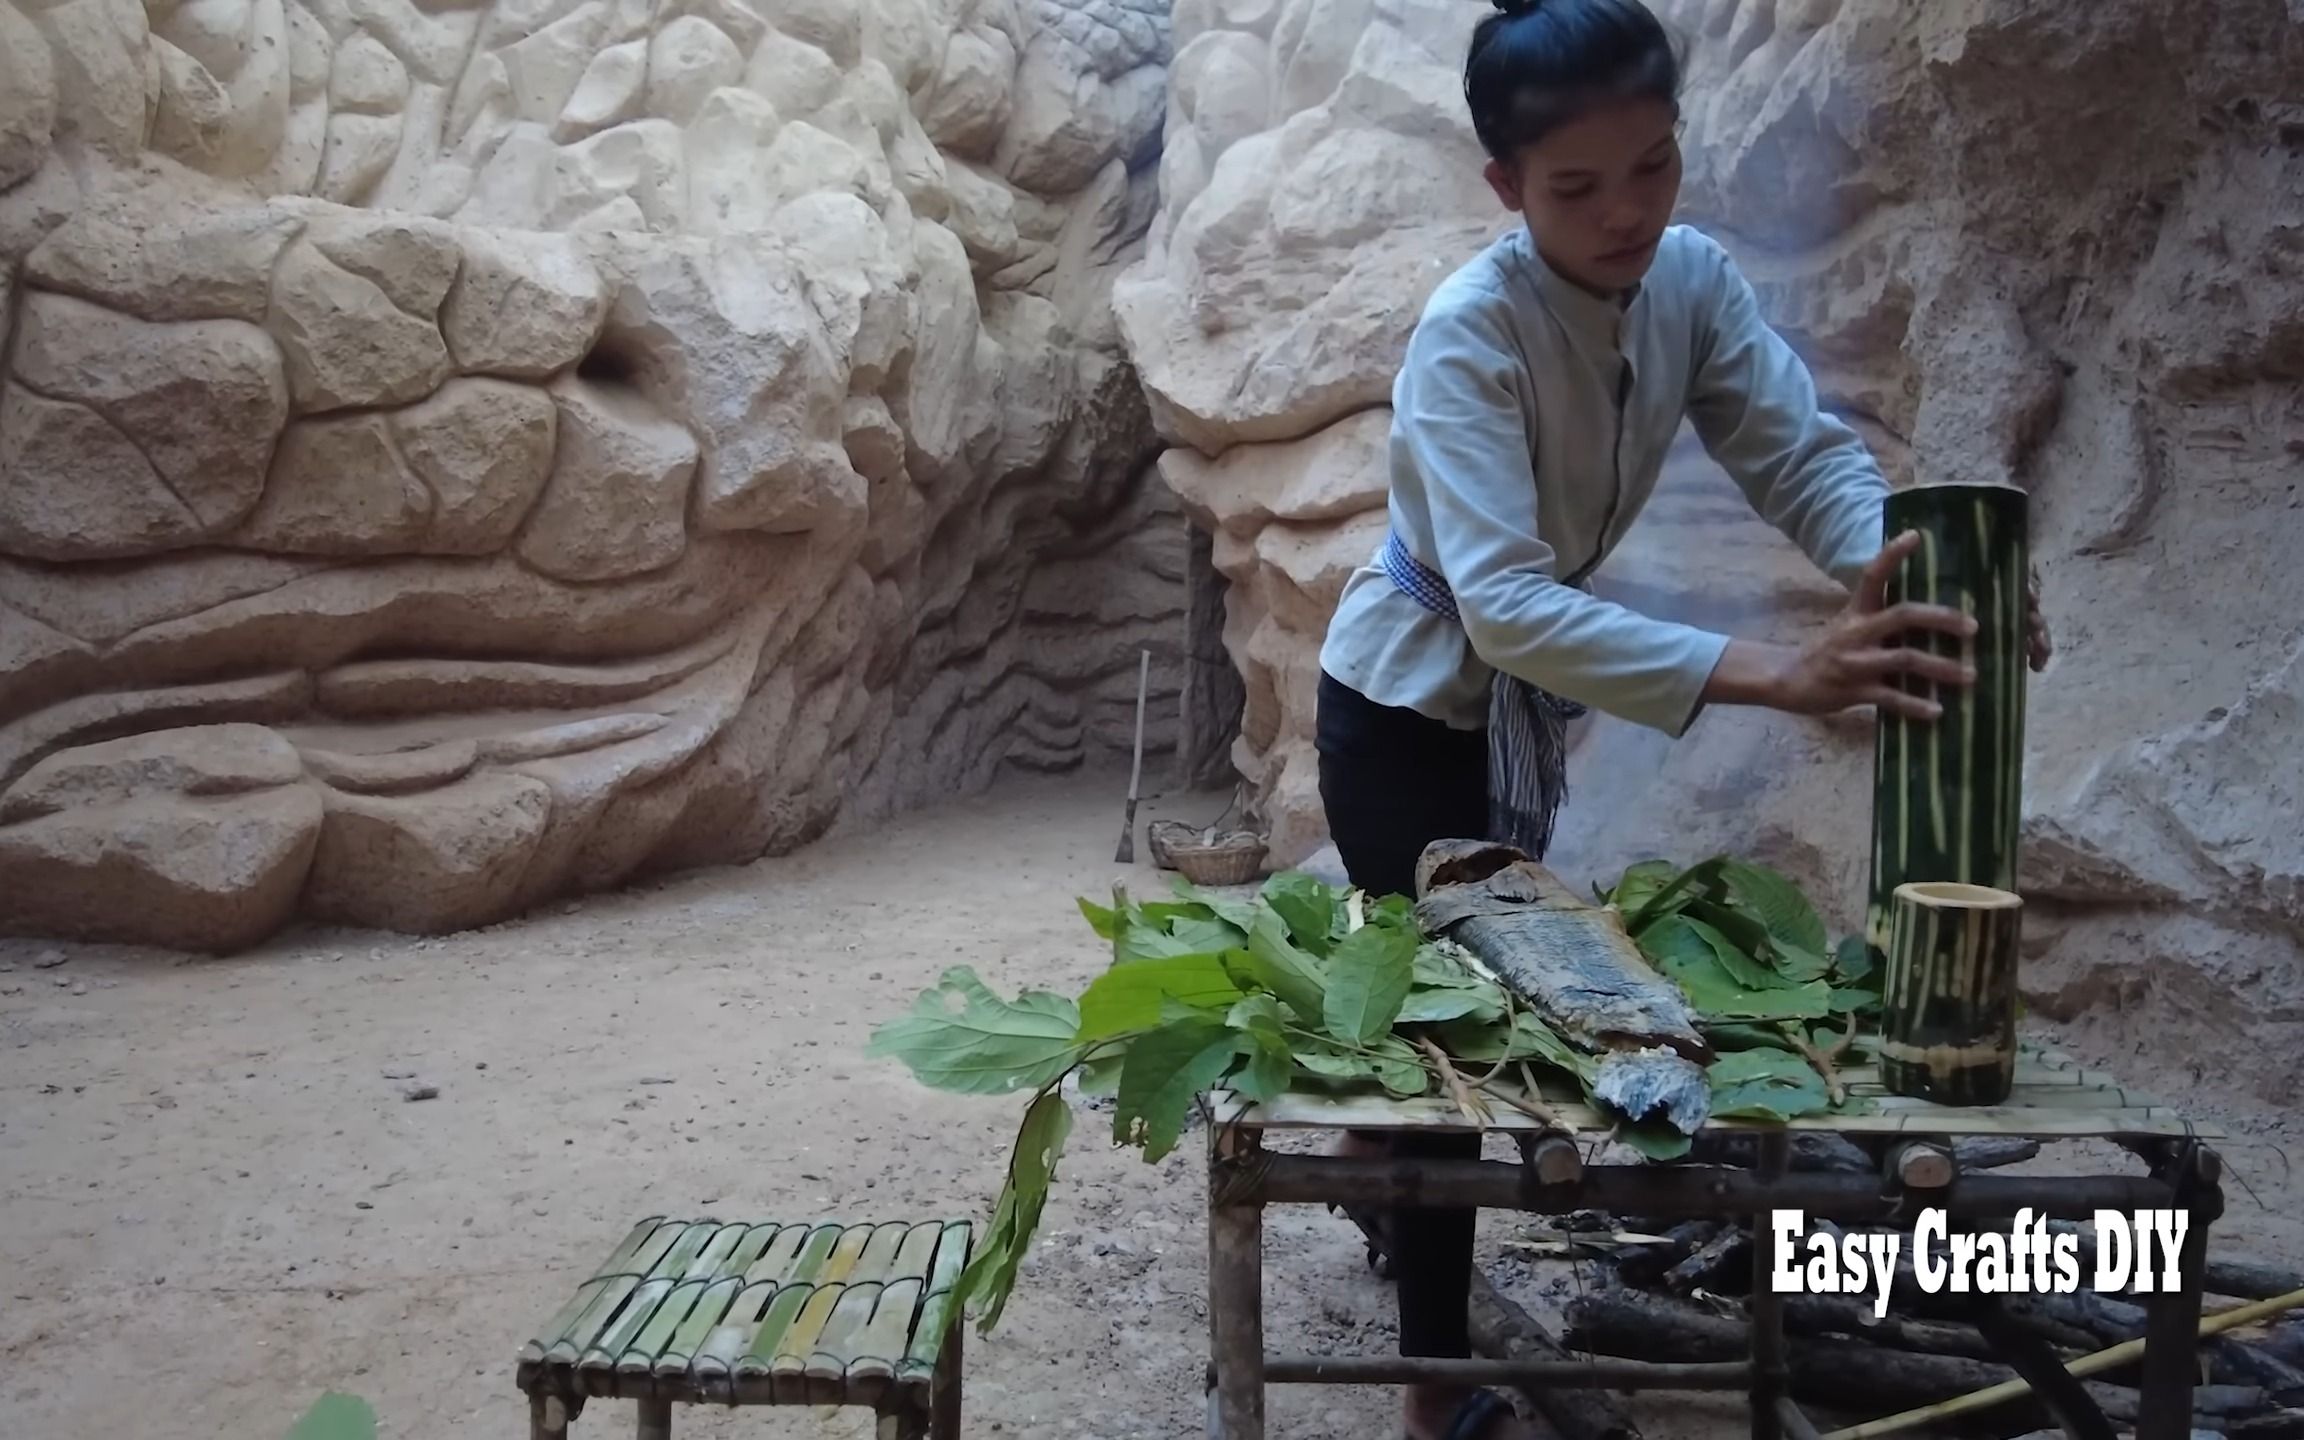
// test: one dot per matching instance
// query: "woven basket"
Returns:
(1206, 856)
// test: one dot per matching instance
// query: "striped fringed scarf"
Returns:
(1527, 726)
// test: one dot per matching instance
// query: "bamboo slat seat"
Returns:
(817, 1312)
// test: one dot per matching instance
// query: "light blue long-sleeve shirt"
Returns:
(1513, 470)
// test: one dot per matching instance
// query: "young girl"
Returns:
(1540, 392)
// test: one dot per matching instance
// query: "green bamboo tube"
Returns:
(1948, 793)
(1948, 1001)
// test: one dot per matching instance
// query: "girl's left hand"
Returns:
(2038, 644)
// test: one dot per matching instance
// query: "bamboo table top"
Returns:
(2055, 1097)
(757, 1313)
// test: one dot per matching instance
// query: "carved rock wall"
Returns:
(455, 454)
(2058, 245)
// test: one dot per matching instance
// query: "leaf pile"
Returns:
(1302, 988)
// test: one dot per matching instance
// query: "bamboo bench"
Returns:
(734, 1313)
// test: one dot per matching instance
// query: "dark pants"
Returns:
(1393, 781)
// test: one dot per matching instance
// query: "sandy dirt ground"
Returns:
(216, 1199)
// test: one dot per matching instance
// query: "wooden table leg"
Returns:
(1236, 1290)
(1769, 1371)
(655, 1419)
(2172, 1319)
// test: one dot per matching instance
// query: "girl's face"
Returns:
(1598, 191)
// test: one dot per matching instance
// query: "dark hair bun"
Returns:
(1515, 8)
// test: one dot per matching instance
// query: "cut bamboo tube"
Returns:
(1948, 1002)
(1948, 793)
(2109, 1359)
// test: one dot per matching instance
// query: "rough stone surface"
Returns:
(2103, 314)
(568, 433)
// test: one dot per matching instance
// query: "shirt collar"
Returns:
(1595, 317)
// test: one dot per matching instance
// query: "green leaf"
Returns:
(1454, 1002)
(1526, 1038)
(1849, 999)
(1368, 979)
(1740, 929)
(1399, 1069)
(1167, 1069)
(1765, 1085)
(1240, 914)
(1769, 1102)
(1777, 903)
(1391, 1062)
(1271, 1065)
(962, 1037)
(1743, 966)
(1761, 1065)
(1655, 1139)
(1259, 1017)
(1851, 960)
(1799, 966)
(1142, 940)
(1329, 1063)
(991, 1273)
(1310, 909)
(1436, 965)
(1100, 1074)
(1266, 1075)
(336, 1416)
(1736, 1035)
(1127, 996)
(1278, 966)
(1713, 991)
(1104, 922)
(1638, 885)
(1207, 935)
(1692, 883)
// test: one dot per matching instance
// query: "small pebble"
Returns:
(357, 1205)
(399, 1074)
(78, 989)
(421, 1092)
(50, 959)
(479, 1064)
(60, 982)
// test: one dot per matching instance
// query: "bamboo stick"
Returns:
(1293, 1179)
(1841, 1372)
(2108, 1359)
(936, 1329)
(1948, 1003)
(1529, 1374)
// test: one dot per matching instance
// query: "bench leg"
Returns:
(548, 1417)
(900, 1422)
(944, 1393)
(655, 1419)
(1236, 1294)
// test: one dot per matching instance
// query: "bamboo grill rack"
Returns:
(743, 1313)
(2054, 1098)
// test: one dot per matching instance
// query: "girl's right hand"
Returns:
(1851, 663)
